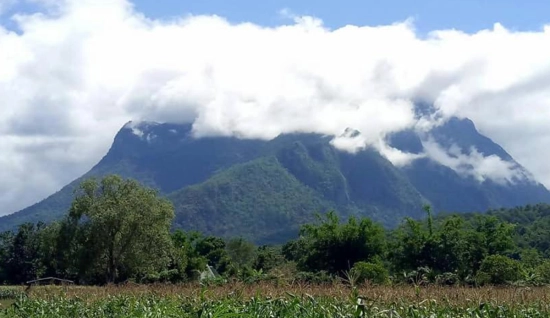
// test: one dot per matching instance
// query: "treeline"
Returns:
(117, 230)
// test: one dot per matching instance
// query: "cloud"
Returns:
(73, 75)
(474, 164)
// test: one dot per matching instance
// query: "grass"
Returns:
(269, 300)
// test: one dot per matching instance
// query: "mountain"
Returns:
(264, 190)
(448, 190)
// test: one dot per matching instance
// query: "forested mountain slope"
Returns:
(263, 189)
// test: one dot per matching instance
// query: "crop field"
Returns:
(269, 300)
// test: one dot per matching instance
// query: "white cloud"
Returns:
(75, 74)
(397, 157)
(474, 164)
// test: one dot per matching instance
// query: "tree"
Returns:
(499, 269)
(214, 250)
(375, 273)
(6, 242)
(23, 261)
(122, 226)
(543, 271)
(497, 235)
(48, 250)
(530, 258)
(241, 252)
(335, 247)
(488, 236)
(415, 246)
(268, 257)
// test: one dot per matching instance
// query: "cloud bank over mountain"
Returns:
(72, 75)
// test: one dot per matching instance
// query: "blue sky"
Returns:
(465, 15)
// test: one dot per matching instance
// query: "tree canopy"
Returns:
(118, 230)
(122, 227)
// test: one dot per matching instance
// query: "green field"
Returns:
(268, 300)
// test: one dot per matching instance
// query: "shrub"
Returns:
(482, 278)
(498, 270)
(374, 273)
(321, 277)
(543, 272)
(447, 278)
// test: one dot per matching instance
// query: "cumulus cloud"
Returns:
(72, 76)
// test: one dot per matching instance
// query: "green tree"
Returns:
(214, 250)
(497, 236)
(241, 252)
(295, 250)
(124, 227)
(499, 269)
(543, 271)
(415, 244)
(183, 254)
(487, 236)
(375, 273)
(335, 247)
(23, 261)
(6, 241)
(530, 258)
(268, 257)
(198, 251)
(48, 250)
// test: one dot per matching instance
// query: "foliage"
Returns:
(543, 272)
(499, 269)
(259, 200)
(268, 258)
(134, 224)
(335, 247)
(374, 273)
(451, 245)
(264, 190)
(24, 253)
(319, 277)
(135, 245)
(241, 252)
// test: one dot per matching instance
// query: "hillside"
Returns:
(260, 196)
(264, 189)
(532, 225)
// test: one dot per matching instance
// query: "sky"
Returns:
(429, 15)
(465, 15)
(73, 72)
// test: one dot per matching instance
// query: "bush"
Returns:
(482, 278)
(321, 277)
(447, 279)
(374, 273)
(498, 270)
(543, 272)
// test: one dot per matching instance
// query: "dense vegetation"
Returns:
(260, 196)
(118, 230)
(265, 190)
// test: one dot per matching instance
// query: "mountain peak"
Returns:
(350, 133)
(244, 182)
